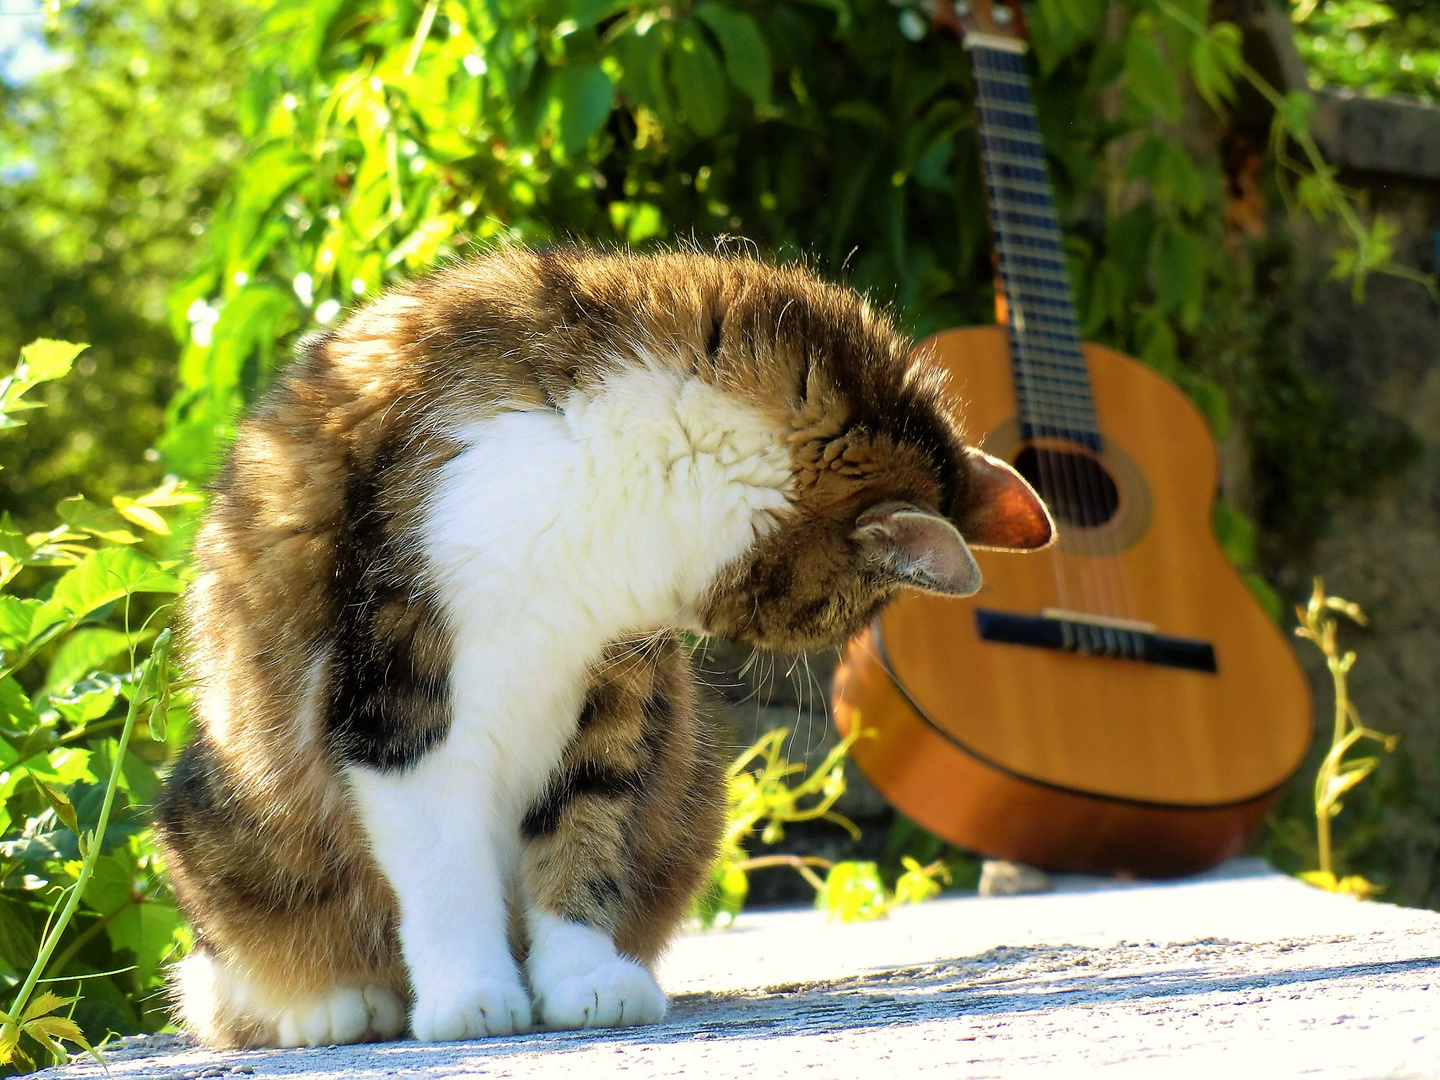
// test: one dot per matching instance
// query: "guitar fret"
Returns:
(1069, 374)
(1021, 232)
(1013, 108)
(1062, 337)
(1001, 78)
(1023, 187)
(1001, 203)
(1060, 306)
(1038, 262)
(1046, 297)
(1037, 218)
(1062, 425)
(1061, 419)
(1024, 140)
(1078, 403)
(1000, 161)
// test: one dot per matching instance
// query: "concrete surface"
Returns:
(1242, 973)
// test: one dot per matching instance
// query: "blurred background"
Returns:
(190, 186)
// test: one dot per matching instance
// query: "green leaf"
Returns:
(103, 577)
(585, 96)
(87, 700)
(699, 80)
(16, 615)
(140, 514)
(1236, 534)
(9, 1041)
(1214, 61)
(112, 883)
(1209, 398)
(747, 57)
(1150, 79)
(47, 359)
(99, 521)
(853, 892)
(1155, 343)
(1085, 16)
(45, 1002)
(60, 803)
(18, 941)
(40, 361)
(15, 707)
(1179, 259)
(1295, 111)
(1173, 177)
(148, 929)
(82, 652)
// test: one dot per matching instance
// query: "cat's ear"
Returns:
(918, 548)
(1001, 511)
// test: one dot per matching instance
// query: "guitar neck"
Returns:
(1052, 387)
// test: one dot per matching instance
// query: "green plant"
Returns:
(764, 796)
(1337, 774)
(112, 154)
(1378, 48)
(85, 660)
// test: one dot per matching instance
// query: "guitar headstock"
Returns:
(984, 22)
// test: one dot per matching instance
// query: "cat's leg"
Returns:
(435, 837)
(578, 865)
(294, 928)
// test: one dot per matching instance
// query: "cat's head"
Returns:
(885, 495)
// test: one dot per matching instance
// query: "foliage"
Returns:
(762, 798)
(374, 138)
(81, 898)
(1374, 47)
(1337, 775)
(109, 162)
(384, 136)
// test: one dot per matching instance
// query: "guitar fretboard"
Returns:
(1052, 387)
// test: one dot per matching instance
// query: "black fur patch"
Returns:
(587, 779)
(385, 710)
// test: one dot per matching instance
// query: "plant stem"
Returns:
(427, 19)
(52, 938)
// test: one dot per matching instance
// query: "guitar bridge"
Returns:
(1118, 639)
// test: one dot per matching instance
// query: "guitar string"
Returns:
(1071, 394)
(1037, 406)
(1050, 388)
(1040, 402)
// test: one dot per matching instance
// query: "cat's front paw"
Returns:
(617, 993)
(347, 1014)
(471, 1010)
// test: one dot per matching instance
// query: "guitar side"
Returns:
(1075, 761)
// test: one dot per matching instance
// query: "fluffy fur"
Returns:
(450, 766)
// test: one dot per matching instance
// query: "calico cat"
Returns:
(450, 773)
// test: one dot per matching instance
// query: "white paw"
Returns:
(472, 1010)
(347, 1014)
(617, 993)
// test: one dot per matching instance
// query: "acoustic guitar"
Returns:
(1119, 704)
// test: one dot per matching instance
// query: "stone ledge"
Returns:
(1240, 973)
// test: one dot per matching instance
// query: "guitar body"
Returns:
(1067, 759)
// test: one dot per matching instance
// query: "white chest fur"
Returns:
(550, 535)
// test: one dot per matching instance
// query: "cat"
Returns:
(450, 772)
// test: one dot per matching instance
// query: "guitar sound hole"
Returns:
(1075, 486)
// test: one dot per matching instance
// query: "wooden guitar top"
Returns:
(1114, 728)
